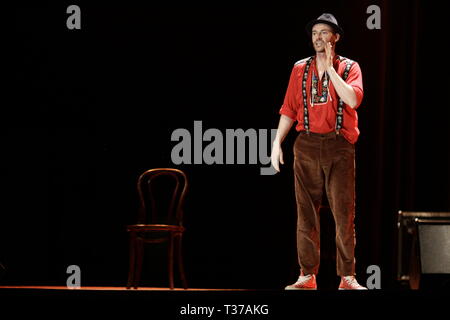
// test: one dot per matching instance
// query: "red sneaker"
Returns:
(307, 282)
(350, 283)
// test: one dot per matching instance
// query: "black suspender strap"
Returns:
(340, 109)
(305, 101)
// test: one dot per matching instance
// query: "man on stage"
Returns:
(323, 94)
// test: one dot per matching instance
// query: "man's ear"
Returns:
(338, 36)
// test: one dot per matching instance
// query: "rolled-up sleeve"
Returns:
(290, 104)
(356, 82)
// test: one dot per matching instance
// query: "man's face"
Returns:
(321, 34)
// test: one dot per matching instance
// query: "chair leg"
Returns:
(140, 254)
(170, 264)
(132, 262)
(180, 262)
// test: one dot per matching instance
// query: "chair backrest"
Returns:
(162, 192)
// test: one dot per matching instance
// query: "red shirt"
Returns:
(322, 114)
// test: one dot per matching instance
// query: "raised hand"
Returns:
(329, 56)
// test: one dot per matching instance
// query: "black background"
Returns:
(94, 108)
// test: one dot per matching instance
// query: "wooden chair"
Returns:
(156, 225)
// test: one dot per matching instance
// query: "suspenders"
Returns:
(340, 114)
(305, 102)
(340, 108)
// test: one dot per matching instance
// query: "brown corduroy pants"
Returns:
(325, 161)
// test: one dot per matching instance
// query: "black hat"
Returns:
(326, 18)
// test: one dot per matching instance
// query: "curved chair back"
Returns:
(162, 192)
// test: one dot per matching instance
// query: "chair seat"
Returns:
(155, 227)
